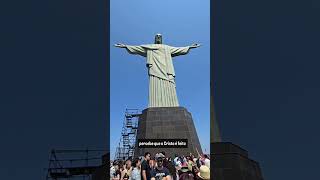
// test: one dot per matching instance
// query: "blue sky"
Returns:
(181, 22)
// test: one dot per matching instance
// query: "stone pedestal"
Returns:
(230, 162)
(167, 123)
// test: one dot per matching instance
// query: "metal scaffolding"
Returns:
(73, 164)
(125, 149)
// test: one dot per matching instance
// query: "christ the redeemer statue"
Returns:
(162, 89)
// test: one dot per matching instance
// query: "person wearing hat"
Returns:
(165, 160)
(160, 172)
(204, 173)
(185, 172)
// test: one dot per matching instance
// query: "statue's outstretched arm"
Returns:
(177, 51)
(195, 45)
(120, 45)
(133, 49)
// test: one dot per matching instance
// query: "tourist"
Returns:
(160, 172)
(126, 173)
(145, 168)
(185, 172)
(152, 164)
(171, 167)
(114, 171)
(206, 161)
(136, 172)
(176, 158)
(204, 173)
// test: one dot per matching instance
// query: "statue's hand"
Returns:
(195, 45)
(120, 45)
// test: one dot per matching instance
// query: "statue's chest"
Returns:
(162, 52)
(160, 56)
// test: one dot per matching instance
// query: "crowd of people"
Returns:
(161, 167)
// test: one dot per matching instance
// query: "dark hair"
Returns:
(160, 159)
(146, 154)
(120, 164)
(135, 162)
(115, 163)
(186, 176)
(206, 156)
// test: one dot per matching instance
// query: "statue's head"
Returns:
(158, 39)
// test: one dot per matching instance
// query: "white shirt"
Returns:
(207, 163)
(136, 174)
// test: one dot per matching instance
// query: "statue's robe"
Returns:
(162, 89)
